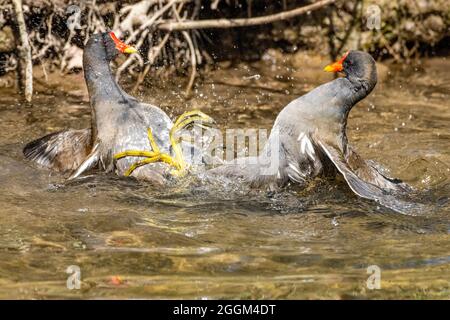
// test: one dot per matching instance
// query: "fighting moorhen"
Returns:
(119, 126)
(309, 139)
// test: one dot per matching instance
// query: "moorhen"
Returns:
(309, 139)
(118, 129)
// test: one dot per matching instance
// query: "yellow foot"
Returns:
(195, 117)
(151, 156)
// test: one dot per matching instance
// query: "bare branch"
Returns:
(152, 55)
(193, 62)
(24, 51)
(231, 23)
(152, 20)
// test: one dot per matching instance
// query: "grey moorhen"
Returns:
(120, 126)
(309, 139)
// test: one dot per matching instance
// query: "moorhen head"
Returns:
(355, 65)
(107, 45)
(359, 68)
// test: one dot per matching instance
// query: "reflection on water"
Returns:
(197, 241)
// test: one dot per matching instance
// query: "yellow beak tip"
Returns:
(328, 69)
(130, 50)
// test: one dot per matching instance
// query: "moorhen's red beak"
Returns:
(337, 66)
(122, 47)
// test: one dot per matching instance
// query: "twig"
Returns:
(230, 23)
(193, 62)
(354, 21)
(24, 52)
(152, 20)
(132, 57)
(191, 49)
(152, 54)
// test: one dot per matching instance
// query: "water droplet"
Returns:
(334, 222)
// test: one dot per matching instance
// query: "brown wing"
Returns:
(370, 173)
(367, 182)
(61, 151)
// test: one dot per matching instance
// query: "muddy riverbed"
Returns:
(131, 240)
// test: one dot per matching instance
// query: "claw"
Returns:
(194, 117)
(183, 121)
(151, 156)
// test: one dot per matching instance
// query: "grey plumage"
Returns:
(309, 135)
(119, 123)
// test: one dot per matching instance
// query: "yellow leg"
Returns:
(191, 117)
(152, 141)
(152, 156)
(138, 153)
(140, 164)
(134, 153)
(183, 121)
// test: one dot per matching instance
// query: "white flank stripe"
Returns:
(295, 168)
(294, 179)
(306, 147)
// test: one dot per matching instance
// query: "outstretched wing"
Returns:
(368, 171)
(367, 182)
(61, 151)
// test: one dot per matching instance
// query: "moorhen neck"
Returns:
(309, 139)
(121, 127)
